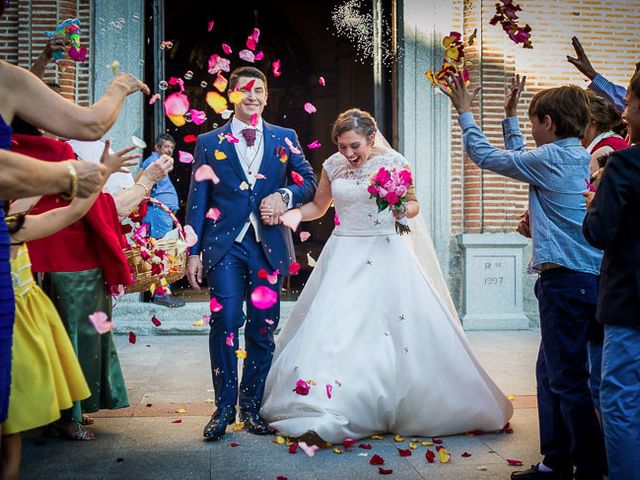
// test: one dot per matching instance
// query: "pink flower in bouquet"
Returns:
(382, 192)
(382, 176)
(405, 177)
(373, 189)
(392, 198)
(401, 191)
(389, 186)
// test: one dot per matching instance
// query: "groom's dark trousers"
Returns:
(232, 280)
(570, 433)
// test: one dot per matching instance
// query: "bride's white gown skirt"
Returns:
(370, 328)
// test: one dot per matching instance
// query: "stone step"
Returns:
(132, 315)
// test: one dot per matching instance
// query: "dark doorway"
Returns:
(301, 36)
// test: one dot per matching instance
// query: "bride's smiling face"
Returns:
(356, 147)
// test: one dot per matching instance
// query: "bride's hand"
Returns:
(401, 212)
(291, 218)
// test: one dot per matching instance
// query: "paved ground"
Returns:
(167, 373)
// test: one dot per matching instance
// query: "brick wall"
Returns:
(22, 38)
(486, 202)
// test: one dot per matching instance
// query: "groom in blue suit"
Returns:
(236, 244)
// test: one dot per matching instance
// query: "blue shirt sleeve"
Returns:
(614, 93)
(515, 162)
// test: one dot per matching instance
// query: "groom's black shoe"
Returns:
(254, 423)
(534, 474)
(217, 426)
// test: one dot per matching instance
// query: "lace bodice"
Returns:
(357, 213)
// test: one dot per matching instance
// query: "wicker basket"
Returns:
(141, 268)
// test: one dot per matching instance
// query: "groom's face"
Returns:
(254, 100)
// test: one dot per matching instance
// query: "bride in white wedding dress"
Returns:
(373, 339)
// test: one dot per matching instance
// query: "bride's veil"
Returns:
(419, 240)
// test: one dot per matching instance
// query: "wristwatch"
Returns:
(285, 196)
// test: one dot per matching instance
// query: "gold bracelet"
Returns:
(73, 177)
(147, 190)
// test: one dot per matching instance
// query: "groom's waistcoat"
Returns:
(236, 199)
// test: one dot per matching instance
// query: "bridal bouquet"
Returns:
(390, 188)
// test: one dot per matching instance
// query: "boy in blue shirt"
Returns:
(567, 287)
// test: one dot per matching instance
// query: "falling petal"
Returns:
(259, 56)
(220, 83)
(275, 67)
(294, 268)
(310, 261)
(247, 86)
(297, 178)
(259, 176)
(138, 142)
(304, 236)
(100, 322)
(210, 25)
(190, 236)
(184, 157)
(309, 108)
(314, 144)
(255, 34)
(226, 49)
(236, 97)
(177, 120)
(250, 43)
(219, 154)
(205, 172)
(254, 119)
(226, 114)
(213, 214)
(244, 186)
(198, 117)
(214, 305)
(216, 101)
(154, 98)
(322, 82)
(263, 297)
(176, 104)
(247, 55)
(231, 139)
(132, 338)
(241, 354)
(189, 138)
(155, 321)
(229, 339)
(115, 67)
(293, 149)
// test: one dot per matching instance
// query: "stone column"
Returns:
(424, 115)
(115, 39)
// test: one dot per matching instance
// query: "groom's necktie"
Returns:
(249, 135)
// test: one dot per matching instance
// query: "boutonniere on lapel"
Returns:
(281, 153)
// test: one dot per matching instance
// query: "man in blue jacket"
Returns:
(253, 163)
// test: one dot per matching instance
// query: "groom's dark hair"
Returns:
(247, 72)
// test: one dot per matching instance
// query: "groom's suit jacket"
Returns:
(236, 202)
(612, 225)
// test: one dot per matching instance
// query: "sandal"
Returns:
(76, 432)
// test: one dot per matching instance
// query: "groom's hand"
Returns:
(271, 208)
(194, 271)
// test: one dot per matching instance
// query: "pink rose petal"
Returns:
(254, 119)
(230, 138)
(210, 25)
(156, 321)
(190, 236)
(293, 149)
(226, 49)
(275, 66)
(329, 389)
(176, 104)
(100, 322)
(321, 82)
(247, 56)
(229, 339)
(177, 81)
(259, 56)
(314, 144)
(213, 214)
(215, 307)
(310, 108)
(205, 172)
(184, 157)
(304, 236)
(310, 450)
(198, 117)
(263, 297)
